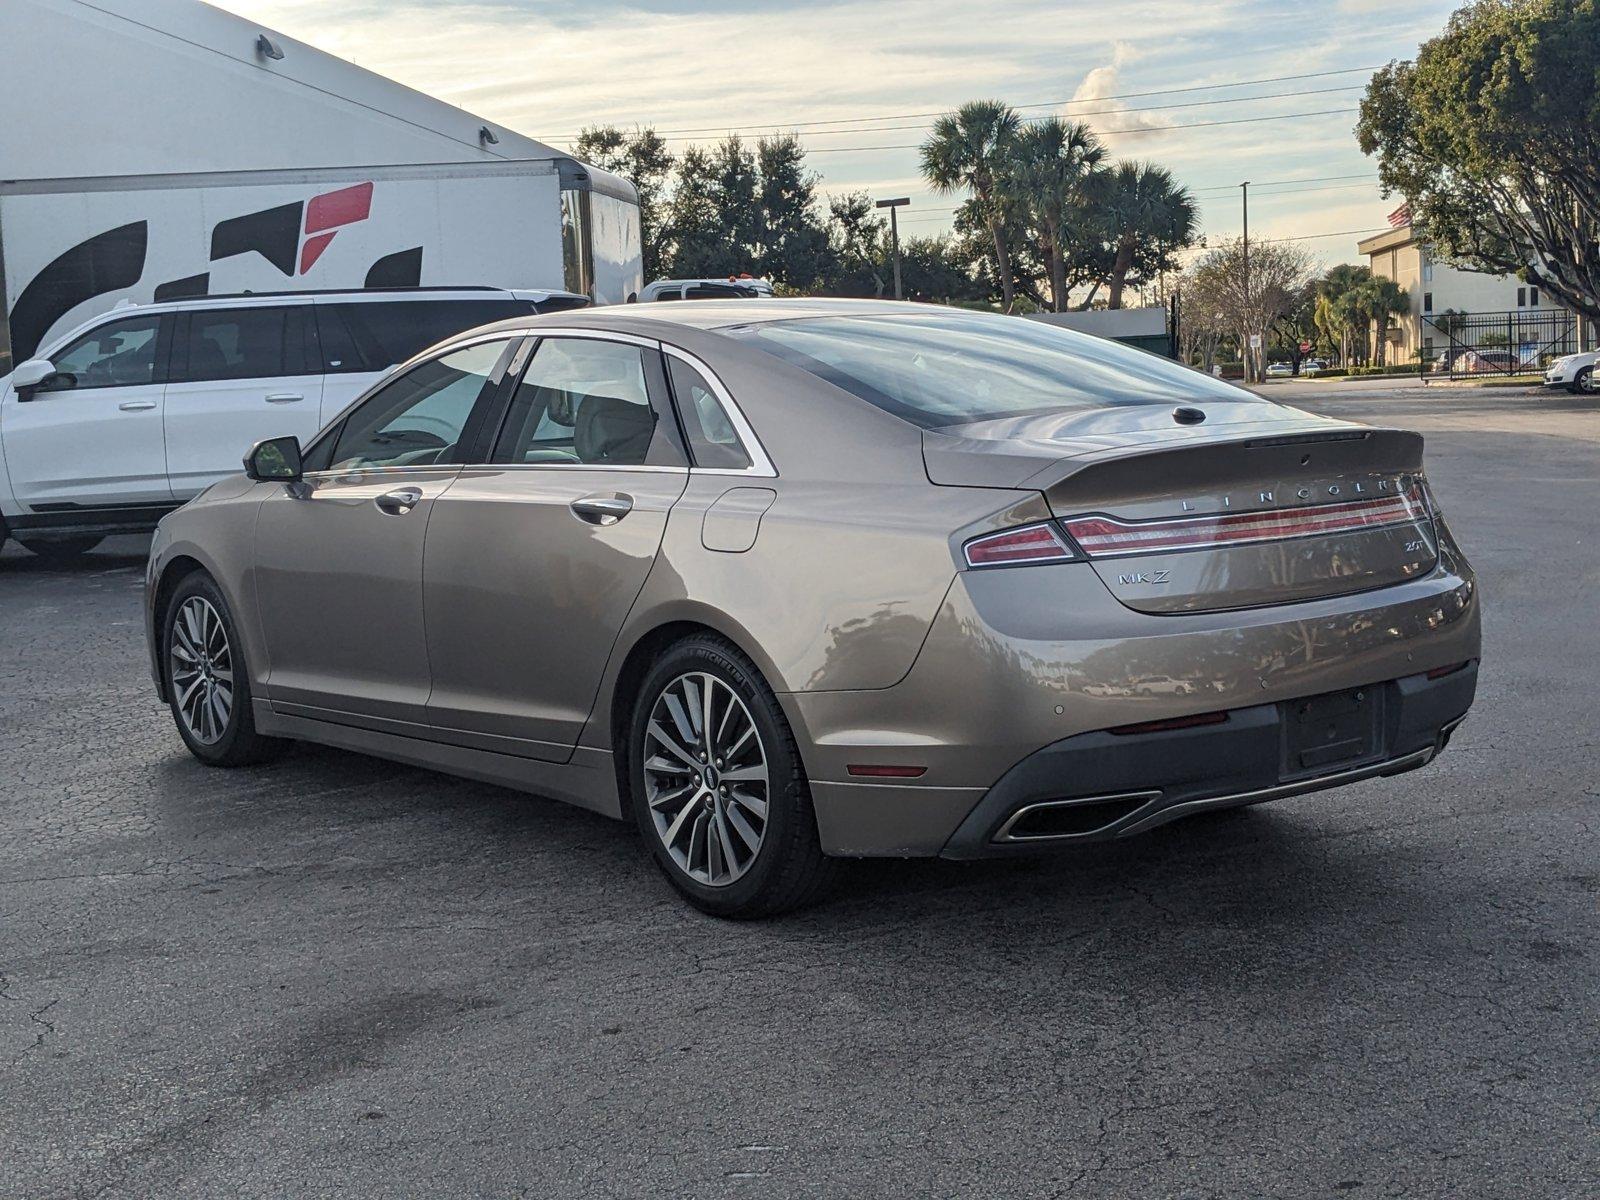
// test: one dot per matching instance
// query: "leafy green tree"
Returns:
(1050, 162)
(1490, 135)
(642, 158)
(968, 149)
(792, 241)
(1340, 312)
(1148, 217)
(1381, 300)
(857, 237)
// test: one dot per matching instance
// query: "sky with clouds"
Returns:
(860, 82)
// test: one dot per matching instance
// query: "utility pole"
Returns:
(894, 238)
(1249, 355)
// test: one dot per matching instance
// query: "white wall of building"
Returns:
(129, 87)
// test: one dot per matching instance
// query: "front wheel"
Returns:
(718, 788)
(208, 682)
(1583, 381)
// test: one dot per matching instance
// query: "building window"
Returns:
(1522, 297)
(1533, 297)
(1427, 301)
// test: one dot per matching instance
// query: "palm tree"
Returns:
(1147, 212)
(1381, 300)
(968, 149)
(1051, 161)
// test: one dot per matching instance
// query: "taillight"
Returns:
(1108, 537)
(1015, 547)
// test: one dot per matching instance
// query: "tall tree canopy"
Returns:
(1048, 170)
(1493, 137)
(1148, 216)
(970, 149)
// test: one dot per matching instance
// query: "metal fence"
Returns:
(1521, 342)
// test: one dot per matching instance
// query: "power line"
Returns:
(1096, 112)
(1198, 87)
(923, 209)
(1323, 112)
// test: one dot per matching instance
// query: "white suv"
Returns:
(132, 414)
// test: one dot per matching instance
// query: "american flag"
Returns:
(1401, 216)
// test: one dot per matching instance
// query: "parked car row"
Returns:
(126, 417)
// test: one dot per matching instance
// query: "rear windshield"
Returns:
(937, 369)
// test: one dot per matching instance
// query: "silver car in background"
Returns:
(788, 581)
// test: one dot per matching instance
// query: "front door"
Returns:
(88, 443)
(339, 554)
(239, 375)
(535, 559)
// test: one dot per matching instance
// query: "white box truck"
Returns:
(73, 248)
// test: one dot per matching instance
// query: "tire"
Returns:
(62, 549)
(1582, 382)
(704, 844)
(202, 658)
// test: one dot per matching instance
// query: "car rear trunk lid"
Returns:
(1250, 513)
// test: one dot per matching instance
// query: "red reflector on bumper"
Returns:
(1210, 718)
(874, 771)
(1441, 672)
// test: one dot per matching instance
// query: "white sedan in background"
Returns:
(1575, 372)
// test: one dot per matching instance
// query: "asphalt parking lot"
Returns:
(335, 975)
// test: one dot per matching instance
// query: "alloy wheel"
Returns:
(201, 670)
(706, 778)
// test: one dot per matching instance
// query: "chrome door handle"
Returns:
(602, 510)
(400, 501)
(137, 405)
(285, 397)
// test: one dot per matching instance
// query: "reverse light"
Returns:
(1015, 547)
(1108, 537)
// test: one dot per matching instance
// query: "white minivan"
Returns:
(137, 411)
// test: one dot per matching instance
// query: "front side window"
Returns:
(119, 354)
(712, 438)
(939, 369)
(417, 419)
(244, 343)
(582, 401)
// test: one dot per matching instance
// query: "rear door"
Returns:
(88, 444)
(238, 375)
(536, 556)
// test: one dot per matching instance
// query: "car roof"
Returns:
(720, 314)
(313, 295)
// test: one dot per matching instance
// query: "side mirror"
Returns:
(27, 376)
(276, 460)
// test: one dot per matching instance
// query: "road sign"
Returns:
(1255, 341)
(1304, 347)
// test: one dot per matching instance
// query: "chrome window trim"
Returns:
(760, 464)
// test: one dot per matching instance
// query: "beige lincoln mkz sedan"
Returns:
(788, 581)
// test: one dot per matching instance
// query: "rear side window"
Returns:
(374, 335)
(938, 369)
(243, 343)
(582, 402)
(712, 438)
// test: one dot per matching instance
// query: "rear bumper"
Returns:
(1100, 786)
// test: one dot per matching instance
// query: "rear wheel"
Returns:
(62, 549)
(208, 682)
(718, 788)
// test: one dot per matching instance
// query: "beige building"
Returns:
(1400, 255)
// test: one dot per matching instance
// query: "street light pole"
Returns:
(1249, 359)
(894, 238)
